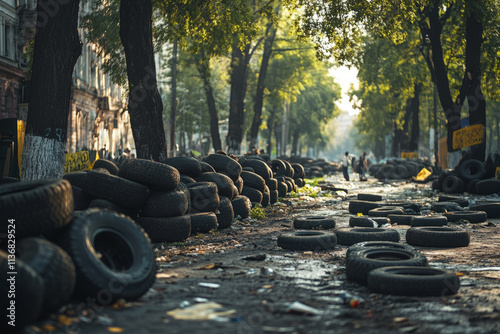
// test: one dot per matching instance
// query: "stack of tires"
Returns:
(469, 176)
(86, 251)
(284, 173)
(258, 184)
(298, 174)
(398, 168)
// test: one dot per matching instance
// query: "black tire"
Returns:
(428, 221)
(8, 179)
(492, 209)
(75, 178)
(278, 167)
(289, 169)
(253, 194)
(470, 187)
(266, 199)
(348, 237)
(299, 182)
(314, 222)
(298, 171)
(206, 168)
(361, 262)
(384, 211)
(253, 180)
(54, 266)
(224, 184)
(28, 295)
(413, 281)
(241, 206)
(436, 185)
(81, 200)
(165, 204)
(239, 185)
(444, 173)
(471, 169)
(441, 237)
(109, 205)
(273, 196)
(166, 229)
(452, 185)
(110, 166)
(224, 163)
(272, 184)
(121, 191)
(187, 179)
(204, 196)
(37, 206)
(376, 244)
(401, 219)
(364, 221)
(459, 200)
(445, 206)
(112, 255)
(410, 208)
(185, 165)
(282, 189)
(488, 186)
(362, 207)
(369, 197)
(472, 217)
(307, 240)
(226, 213)
(203, 222)
(155, 175)
(259, 167)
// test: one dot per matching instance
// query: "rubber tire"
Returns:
(28, 297)
(81, 200)
(350, 237)
(376, 244)
(224, 183)
(272, 184)
(185, 165)
(472, 217)
(314, 223)
(187, 179)
(259, 167)
(471, 169)
(362, 207)
(273, 196)
(307, 240)
(241, 206)
(121, 191)
(253, 180)
(266, 199)
(203, 222)
(253, 194)
(224, 163)
(225, 215)
(206, 168)
(445, 206)
(204, 196)
(470, 187)
(428, 221)
(298, 171)
(459, 200)
(282, 189)
(126, 256)
(413, 281)
(37, 206)
(441, 237)
(239, 185)
(369, 197)
(384, 211)
(492, 209)
(360, 263)
(155, 175)
(109, 205)
(401, 219)
(108, 165)
(54, 266)
(278, 167)
(488, 187)
(165, 204)
(166, 229)
(364, 221)
(452, 185)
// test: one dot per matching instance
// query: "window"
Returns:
(7, 41)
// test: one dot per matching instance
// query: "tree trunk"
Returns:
(173, 101)
(475, 98)
(415, 121)
(295, 142)
(57, 48)
(145, 105)
(204, 70)
(239, 74)
(259, 95)
(270, 126)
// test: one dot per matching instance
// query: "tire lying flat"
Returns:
(307, 240)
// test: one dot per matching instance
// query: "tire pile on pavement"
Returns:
(89, 235)
(376, 258)
(316, 167)
(398, 168)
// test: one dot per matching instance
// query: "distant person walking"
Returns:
(345, 165)
(362, 166)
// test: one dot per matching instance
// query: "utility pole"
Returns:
(436, 131)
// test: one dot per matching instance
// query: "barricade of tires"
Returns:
(398, 168)
(60, 255)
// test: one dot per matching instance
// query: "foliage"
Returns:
(257, 213)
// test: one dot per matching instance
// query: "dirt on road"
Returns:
(239, 281)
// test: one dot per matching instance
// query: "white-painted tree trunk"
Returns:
(42, 158)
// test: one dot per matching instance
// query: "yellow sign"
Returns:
(468, 136)
(76, 162)
(21, 128)
(423, 174)
(409, 155)
(497, 173)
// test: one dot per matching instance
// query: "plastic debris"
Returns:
(298, 307)
(203, 311)
(266, 271)
(352, 300)
(209, 285)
